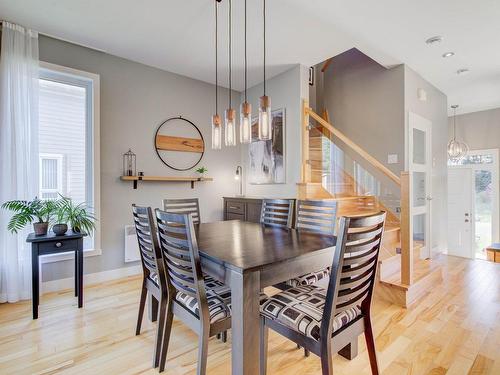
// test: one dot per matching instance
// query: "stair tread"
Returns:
(421, 269)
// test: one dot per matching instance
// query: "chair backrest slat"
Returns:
(277, 212)
(183, 206)
(316, 216)
(354, 267)
(182, 260)
(147, 239)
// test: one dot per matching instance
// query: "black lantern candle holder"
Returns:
(129, 166)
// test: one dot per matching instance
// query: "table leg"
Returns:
(76, 273)
(34, 279)
(245, 323)
(80, 274)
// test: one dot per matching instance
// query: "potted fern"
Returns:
(77, 215)
(38, 211)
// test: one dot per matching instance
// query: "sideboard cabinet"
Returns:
(242, 208)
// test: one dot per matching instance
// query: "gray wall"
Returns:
(480, 130)
(286, 91)
(135, 99)
(435, 110)
(365, 101)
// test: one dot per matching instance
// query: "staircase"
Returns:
(403, 277)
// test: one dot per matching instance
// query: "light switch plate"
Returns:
(392, 159)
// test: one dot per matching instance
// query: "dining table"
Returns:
(248, 257)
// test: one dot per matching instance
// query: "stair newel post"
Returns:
(306, 165)
(406, 240)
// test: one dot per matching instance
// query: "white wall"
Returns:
(286, 91)
(135, 99)
(435, 110)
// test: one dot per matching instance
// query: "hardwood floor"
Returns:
(454, 330)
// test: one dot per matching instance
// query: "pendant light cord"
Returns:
(230, 32)
(245, 50)
(264, 18)
(216, 60)
(455, 124)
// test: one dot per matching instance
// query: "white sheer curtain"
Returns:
(18, 151)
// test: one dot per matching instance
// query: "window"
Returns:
(68, 142)
(50, 176)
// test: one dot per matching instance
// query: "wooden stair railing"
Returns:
(402, 182)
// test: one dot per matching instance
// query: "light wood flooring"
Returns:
(454, 330)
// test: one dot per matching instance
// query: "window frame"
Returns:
(60, 159)
(91, 82)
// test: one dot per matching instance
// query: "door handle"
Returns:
(466, 220)
(429, 198)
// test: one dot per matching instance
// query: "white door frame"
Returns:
(421, 123)
(494, 168)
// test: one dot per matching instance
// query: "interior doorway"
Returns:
(473, 221)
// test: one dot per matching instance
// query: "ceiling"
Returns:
(178, 36)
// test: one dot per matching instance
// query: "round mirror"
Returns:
(179, 143)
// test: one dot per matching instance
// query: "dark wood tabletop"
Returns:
(51, 236)
(246, 246)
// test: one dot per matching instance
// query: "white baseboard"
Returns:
(91, 278)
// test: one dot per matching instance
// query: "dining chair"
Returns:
(200, 302)
(317, 217)
(154, 280)
(277, 212)
(183, 206)
(327, 321)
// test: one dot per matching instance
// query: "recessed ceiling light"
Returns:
(463, 71)
(448, 54)
(434, 40)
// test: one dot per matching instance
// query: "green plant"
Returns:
(27, 212)
(76, 215)
(202, 170)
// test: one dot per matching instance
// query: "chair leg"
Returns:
(167, 329)
(370, 344)
(326, 358)
(306, 352)
(159, 330)
(224, 336)
(350, 351)
(203, 349)
(264, 334)
(153, 308)
(142, 305)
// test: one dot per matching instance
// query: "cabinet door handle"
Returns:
(233, 207)
(58, 244)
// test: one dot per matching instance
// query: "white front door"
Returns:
(460, 211)
(420, 169)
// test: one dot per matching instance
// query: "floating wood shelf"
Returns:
(192, 180)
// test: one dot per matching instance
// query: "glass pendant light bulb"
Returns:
(245, 122)
(230, 127)
(265, 120)
(216, 132)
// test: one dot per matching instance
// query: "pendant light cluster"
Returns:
(456, 149)
(264, 121)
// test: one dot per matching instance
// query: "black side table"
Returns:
(52, 244)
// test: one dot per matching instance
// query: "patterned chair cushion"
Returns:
(301, 309)
(309, 278)
(218, 298)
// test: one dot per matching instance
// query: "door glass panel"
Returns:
(418, 146)
(419, 233)
(419, 189)
(483, 205)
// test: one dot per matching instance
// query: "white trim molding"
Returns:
(90, 279)
(94, 110)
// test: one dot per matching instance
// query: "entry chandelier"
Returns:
(264, 120)
(456, 149)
